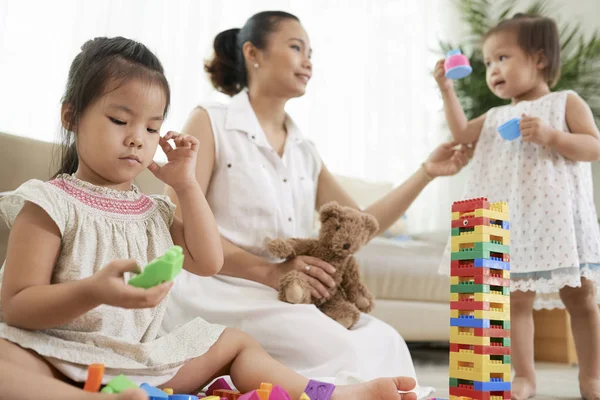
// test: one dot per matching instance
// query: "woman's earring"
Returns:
(255, 65)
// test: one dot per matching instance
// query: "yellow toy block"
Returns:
(461, 337)
(492, 214)
(470, 375)
(463, 398)
(304, 396)
(492, 230)
(486, 297)
(500, 206)
(480, 362)
(482, 314)
(169, 391)
(211, 398)
(455, 215)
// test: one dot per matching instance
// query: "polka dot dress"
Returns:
(555, 238)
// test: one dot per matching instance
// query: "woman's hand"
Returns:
(180, 169)
(448, 159)
(318, 271)
(107, 286)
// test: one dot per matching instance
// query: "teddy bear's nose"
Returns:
(346, 246)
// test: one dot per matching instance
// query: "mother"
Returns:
(263, 180)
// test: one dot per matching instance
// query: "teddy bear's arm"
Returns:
(288, 248)
(356, 291)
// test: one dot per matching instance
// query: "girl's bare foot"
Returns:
(589, 388)
(522, 388)
(377, 389)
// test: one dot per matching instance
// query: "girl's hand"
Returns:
(108, 287)
(535, 130)
(180, 169)
(319, 274)
(448, 159)
(440, 76)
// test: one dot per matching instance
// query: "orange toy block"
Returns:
(94, 378)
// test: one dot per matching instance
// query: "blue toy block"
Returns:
(183, 397)
(154, 393)
(468, 321)
(495, 385)
(493, 263)
(505, 225)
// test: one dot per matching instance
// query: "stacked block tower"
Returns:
(480, 365)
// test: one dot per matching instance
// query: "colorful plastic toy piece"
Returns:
(118, 384)
(249, 396)
(319, 390)
(168, 391)
(457, 65)
(94, 378)
(154, 393)
(183, 397)
(304, 396)
(278, 393)
(510, 130)
(160, 270)
(220, 383)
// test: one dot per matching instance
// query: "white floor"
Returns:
(555, 381)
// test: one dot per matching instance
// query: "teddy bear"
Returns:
(343, 231)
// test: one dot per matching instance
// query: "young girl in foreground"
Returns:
(545, 176)
(65, 303)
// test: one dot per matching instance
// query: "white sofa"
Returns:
(402, 274)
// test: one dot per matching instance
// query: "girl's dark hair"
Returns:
(103, 65)
(535, 34)
(227, 68)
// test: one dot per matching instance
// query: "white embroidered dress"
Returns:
(99, 225)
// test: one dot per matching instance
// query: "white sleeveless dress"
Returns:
(257, 196)
(99, 225)
(555, 239)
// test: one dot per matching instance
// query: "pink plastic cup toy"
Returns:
(457, 65)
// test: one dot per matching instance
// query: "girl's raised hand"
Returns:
(180, 169)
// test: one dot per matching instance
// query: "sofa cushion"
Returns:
(404, 270)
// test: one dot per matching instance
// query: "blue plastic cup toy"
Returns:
(510, 130)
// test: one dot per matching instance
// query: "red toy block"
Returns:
(488, 350)
(463, 390)
(470, 222)
(278, 393)
(469, 270)
(469, 305)
(470, 205)
(94, 378)
(492, 332)
(220, 383)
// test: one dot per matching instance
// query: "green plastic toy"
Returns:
(118, 384)
(160, 270)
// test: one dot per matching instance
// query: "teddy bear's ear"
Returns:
(328, 210)
(371, 224)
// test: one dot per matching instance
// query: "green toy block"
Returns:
(118, 384)
(469, 288)
(160, 270)
(455, 231)
(480, 250)
(453, 382)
